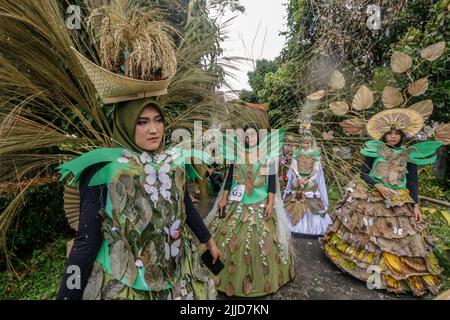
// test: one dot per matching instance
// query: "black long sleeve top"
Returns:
(412, 179)
(271, 187)
(88, 237)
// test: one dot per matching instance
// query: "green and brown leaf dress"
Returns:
(147, 250)
(255, 264)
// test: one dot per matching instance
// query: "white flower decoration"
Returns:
(398, 231)
(139, 263)
(145, 158)
(127, 153)
(123, 160)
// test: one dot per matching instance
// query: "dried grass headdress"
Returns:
(136, 50)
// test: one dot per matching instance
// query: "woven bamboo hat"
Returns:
(114, 88)
(407, 120)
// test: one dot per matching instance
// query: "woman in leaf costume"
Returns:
(248, 221)
(132, 240)
(138, 190)
(306, 197)
(378, 234)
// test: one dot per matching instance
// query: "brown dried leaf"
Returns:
(339, 108)
(316, 95)
(154, 277)
(280, 279)
(328, 136)
(224, 254)
(247, 258)
(267, 287)
(433, 52)
(442, 133)
(223, 230)
(119, 259)
(425, 108)
(391, 97)
(418, 87)
(266, 269)
(246, 216)
(363, 99)
(266, 247)
(94, 285)
(265, 226)
(400, 62)
(337, 80)
(231, 268)
(247, 284)
(131, 272)
(233, 244)
(353, 126)
(230, 289)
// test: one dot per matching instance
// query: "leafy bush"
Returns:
(439, 230)
(39, 278)
(39, 222)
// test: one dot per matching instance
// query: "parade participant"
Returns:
(378, 234)
(306, 197)
(249, 223)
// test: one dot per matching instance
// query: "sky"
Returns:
(243, 31)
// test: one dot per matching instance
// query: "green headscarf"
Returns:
(126, 115)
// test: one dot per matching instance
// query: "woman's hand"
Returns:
(269, 210)
(385, 192)
(212, 247)
(417, 213)
(269, 207)
(221, 205)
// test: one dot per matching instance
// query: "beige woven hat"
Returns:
(114, 88)
(407, 120)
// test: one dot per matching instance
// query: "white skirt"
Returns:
(311, 224)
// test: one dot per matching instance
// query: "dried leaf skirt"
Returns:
(381, 243)
(195, 284)
(254, 263)
(306, 216)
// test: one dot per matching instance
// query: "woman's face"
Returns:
(306, 145)
(393, 138)
(149, 129)
(252, 138)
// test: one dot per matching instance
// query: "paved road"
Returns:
(318, 278)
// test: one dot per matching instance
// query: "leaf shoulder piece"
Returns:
(424, 153)
(78, 165)
(371, 148)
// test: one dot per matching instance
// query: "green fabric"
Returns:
(230, 145)
(371, 148)
(259, 193)
(78, 165)
(126, 115)
(313, 153)
(425, 152)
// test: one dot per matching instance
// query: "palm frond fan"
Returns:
(72, 205)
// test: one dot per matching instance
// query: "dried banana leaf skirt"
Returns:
(382, 243)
